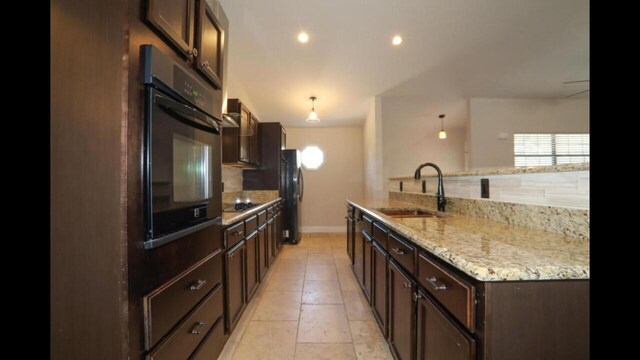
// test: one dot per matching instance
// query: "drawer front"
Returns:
(234, 234)
(367, 225)
(181, 343)
(262, 217)
(251, 224)
(165, 306)
(350, 210)
(402, 252)
(212, 344)
(454, 293)
(380, 235)
(270, 210)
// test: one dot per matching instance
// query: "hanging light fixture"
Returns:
(313, 116)
(442, 134)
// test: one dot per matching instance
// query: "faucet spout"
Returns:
(442, 202)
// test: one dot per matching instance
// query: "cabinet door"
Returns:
(379, 296)
(401, 313)
(245, 132)
(367, 273)
(210, 44)
(174, 19)
(358, 258)
(262, 252)
(350, 238)
(269, 243)
(277, 231)
(254, 141)
(235, 284)
(438, 337)
(251, 267)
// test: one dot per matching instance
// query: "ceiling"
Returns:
(452, 50)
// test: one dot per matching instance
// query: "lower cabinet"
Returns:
(234, 276)
(401, 313)
(367, 274)
(277, 232)
(251, 265)
(350, 237)
(437, 336)
(379, 295)
(212, 344)
(269, 242)
(358, 258)
(262, 251)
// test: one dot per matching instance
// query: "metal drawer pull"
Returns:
(407, 285)
(197, 327)
(239, 232)
(434, 284)
(416, 296)
(398, 251)
(198, 285)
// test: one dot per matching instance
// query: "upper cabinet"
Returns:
(195, 29)
(240, 145)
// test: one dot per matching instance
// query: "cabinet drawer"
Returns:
(380, 235)
(234, 234)
(166, 305)
(402, 252)
(350, 210)
(454, 293)
(262, 217)
(251, 224)
(212, 344)
(270, 210)
(367, 225)
(181, 343)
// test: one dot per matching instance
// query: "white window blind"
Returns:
(550, 149)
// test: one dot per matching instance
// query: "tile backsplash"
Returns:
(568, 189)
(232, 178)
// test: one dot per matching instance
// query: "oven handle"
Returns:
(187, 114)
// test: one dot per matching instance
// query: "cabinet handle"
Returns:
(239, 232)
(230, 255)
(198, 285)
(407, 285)
(433, 282)
(197, 327)
(205, 64)
(416, 296)
(398, 251)
(193, 52)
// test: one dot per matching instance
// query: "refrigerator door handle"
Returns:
(300, 184)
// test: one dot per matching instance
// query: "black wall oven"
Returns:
(182, 155)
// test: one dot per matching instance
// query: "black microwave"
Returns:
(182, 152)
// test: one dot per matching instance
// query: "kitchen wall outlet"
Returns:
(484, 188)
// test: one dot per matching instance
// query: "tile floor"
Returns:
(309, 306)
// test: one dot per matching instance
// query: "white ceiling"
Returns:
(452, 50)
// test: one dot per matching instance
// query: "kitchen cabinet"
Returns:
(350, 238)
(367, 271)
(379, 294)
(268, 176)
(270, 253)
(438, 337)
(358, 254)
(251, 267)
(401, 313)
(234, 280)
(237, 142)
(175, 20)
(210, 42)
(262, 251)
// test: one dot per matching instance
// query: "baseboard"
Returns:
(323, 229)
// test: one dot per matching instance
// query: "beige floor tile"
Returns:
(276, 305)
(242, 324)
(293, 264)
(320, 259)
(375, 351)
(323, 324)
(294, 253)
(347, 279)
(279, 275)
(325, 352)
(356, 305)
(321, 292)
(321, 272)
(284, 285)
(365, 332)
(267, 340)
(228, 350)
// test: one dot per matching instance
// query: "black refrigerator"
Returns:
(293, 193)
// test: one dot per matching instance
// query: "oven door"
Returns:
(182, 169)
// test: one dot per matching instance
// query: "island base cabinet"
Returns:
(367, 273)
(235, 286)
(379, 294)
(358, 258)
(438, 337)
(401, 313)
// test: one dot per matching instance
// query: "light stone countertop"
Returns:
(427, 172)
(488, 250)
(231, 217)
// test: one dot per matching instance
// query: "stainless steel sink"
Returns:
(404, 213)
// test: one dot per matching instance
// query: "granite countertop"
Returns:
(488, 250)
(231, 217)
(503, 171)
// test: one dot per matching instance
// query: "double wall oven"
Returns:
(182, 154)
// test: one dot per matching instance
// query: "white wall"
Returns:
(372, 142)
(410, 138)
(339, 178)
(489, 117)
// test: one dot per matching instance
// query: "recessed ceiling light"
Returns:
(397, 40)
(303, 37)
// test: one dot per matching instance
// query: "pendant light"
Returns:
(313, 116)
(442, 134)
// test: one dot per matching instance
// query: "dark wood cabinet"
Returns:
(358, 258)
(210, 42)
(237, 141)
(262, 251)
(438, 337)
(251, 266)
(245, 133)
(269, 143)
(401, 313)
(175, 20)
(254, 141)
(277, 231)
(367, 271)
(350, 237)
(234, 280)
(379, 263)
(270, 253)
